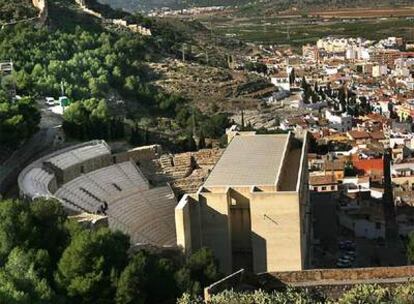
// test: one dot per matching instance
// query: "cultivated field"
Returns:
(299, 31)
(364, 12)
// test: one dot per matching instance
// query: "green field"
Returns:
(298, 32)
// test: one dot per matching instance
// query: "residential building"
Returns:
(323, 183)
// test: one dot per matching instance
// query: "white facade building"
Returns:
(340, 123)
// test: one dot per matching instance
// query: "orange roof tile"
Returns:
(355, 134)
(322, 180)
(365, 166)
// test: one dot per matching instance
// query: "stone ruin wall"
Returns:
(41, 5)
(328, 282)
(145, 153)
(202, 162)
(119, 22)
(318, 275)
(185, 172)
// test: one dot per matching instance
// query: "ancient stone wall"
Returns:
(119, 22)
(328, 282)
(139, 154)
(41, 5)
(335, 275)
(185, 172)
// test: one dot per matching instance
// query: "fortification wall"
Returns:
(119, 22)
(42, 6)
(337, 275)
(329, 282)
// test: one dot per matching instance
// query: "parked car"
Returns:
(346, 245)
(348, 257)
(350, 253)
(50, 101)
(343, 264)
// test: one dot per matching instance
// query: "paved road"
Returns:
(31, 150)
(40, 143)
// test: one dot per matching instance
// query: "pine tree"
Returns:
(201, 141)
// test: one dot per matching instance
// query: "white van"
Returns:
(50, 101)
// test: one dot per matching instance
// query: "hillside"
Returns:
(11, 11)
(124, 85)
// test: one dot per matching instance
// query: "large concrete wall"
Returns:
(255, 227)
(74, 171)
(183, 224)
(215, 224)
(275, 227)
(276, 222)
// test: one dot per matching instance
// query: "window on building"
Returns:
(233, 202)
(323, 188)
(332, 187)
(82, 169)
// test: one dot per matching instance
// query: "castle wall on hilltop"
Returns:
(41, 5)
(118, 22)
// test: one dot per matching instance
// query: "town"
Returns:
(356, 99)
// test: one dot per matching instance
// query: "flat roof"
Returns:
(250, 161)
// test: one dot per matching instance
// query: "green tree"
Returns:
(23, 279)
(292, 76)
(48, 219)
(201, 141)
(190, 143)
(18, 121)
(90, 265)
(147, 279)
(410, 247)
(15, 226)
(200, 270)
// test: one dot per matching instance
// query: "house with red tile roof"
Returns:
(359, 137)
(323, 183)
(369, 167)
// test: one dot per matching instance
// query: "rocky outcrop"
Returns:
(41, 5)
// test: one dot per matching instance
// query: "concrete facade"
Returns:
(263, 227)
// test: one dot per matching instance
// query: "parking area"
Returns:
(325, 230)
(336, 247)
